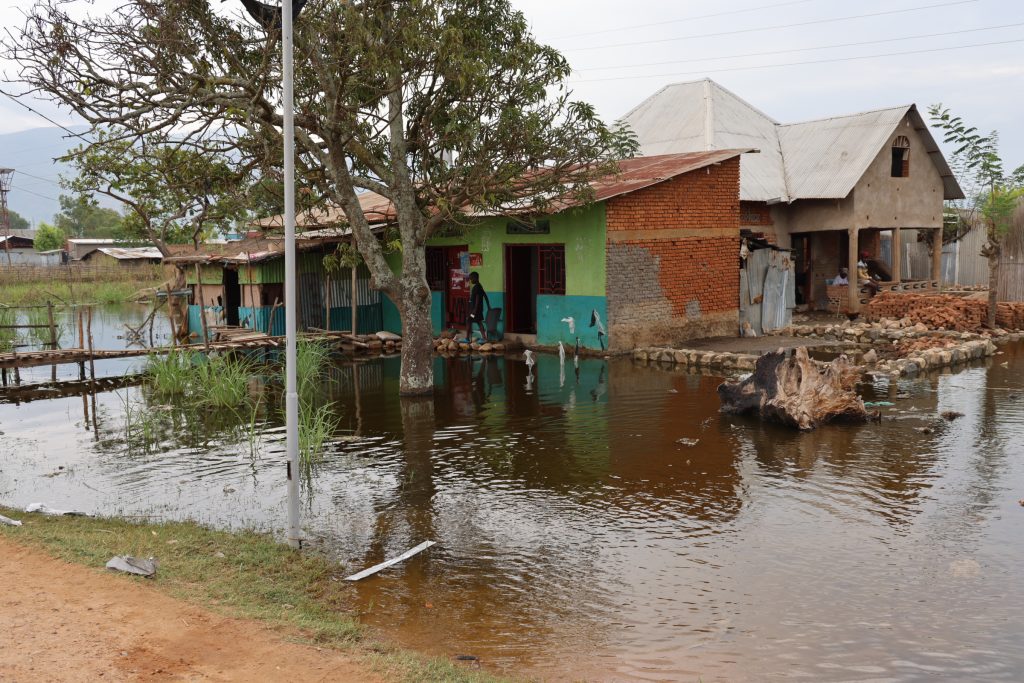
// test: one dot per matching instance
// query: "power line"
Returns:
(800, 49)
(41, 196)
(814, 61)
(14, 99)
(771, 28)
(36, 177)
(685, 19)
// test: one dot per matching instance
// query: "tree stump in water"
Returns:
(792, 390)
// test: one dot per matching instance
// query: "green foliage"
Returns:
(317, 423)
(213, 382)
(174, 194)
(18, 222)
(8, 337)
(48, 237)
(81, 216)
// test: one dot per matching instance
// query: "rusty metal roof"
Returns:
(640, 172)
(376, 208)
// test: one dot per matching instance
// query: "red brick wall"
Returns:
(673, 259)
(753, 214)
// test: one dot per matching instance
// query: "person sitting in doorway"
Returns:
(866, 280)
(477, 297)
(843, 278)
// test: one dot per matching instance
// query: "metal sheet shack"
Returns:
(241, 284)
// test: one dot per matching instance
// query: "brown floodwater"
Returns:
(578, 539)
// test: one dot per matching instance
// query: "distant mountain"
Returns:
(31, 154)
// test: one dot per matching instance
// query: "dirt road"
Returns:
(64, 622)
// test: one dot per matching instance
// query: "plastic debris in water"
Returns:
(53, 512)
(685, 441)
(134, 565)
(571, 322)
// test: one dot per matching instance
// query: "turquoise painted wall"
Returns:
(552, 309)
(195, 323)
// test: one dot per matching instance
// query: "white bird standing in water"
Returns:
(561, 353)
(528, 355)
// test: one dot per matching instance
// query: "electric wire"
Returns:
(757, 29)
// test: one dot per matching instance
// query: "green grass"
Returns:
(37, 293)
(245, 575)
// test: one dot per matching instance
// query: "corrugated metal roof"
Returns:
(702, 115)
(640, 172)
(89, 240)
(131, 253)
(820, 159)
(634, 174)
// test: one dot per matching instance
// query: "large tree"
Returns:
(445, 107)
(81, 216)
(991, 193)
(18, 222)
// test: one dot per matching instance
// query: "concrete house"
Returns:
(652, 258)
(828, 189)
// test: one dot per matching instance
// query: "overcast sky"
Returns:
(624, 51)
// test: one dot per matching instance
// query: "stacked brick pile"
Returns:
(944, 311)
(935, 311)
(1010, 316)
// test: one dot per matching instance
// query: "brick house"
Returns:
(652, 258)
(828, 189)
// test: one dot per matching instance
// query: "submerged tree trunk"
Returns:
(793, 391)
(417, 373)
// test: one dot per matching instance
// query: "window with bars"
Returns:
(437, 268)
(551, 269)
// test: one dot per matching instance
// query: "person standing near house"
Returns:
(477, 297)
(843, 277)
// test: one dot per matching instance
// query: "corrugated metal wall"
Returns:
(767, 291)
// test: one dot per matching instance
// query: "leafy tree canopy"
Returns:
(18, 222)
(81, 216)
(48, 237)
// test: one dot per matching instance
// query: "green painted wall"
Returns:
(582, 231)
(212, 274)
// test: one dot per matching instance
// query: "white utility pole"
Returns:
(291, 396)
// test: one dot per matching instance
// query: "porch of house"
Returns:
(820, 254)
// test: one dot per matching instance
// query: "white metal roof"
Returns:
(820, 159)
(131, 253)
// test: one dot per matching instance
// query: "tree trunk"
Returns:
(417, 373)
(993, 286)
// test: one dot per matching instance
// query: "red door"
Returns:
(456, 288)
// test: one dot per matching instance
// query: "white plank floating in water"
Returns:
(384, 565)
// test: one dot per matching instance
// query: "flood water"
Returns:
(578, 540)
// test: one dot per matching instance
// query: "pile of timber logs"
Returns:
(789, 388)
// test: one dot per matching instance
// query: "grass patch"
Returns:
(240, 574)
(37, 293)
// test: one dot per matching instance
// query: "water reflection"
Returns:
(605, 522)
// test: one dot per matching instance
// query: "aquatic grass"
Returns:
(316, 426)
(222, 382)
(8, 336)
(247, 575)
(171, 373)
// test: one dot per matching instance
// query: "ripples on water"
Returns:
(577, 539)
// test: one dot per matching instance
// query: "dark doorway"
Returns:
(232, 296)
(521, 288)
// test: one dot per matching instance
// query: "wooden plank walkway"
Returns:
(30, 359)
(26, 393)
